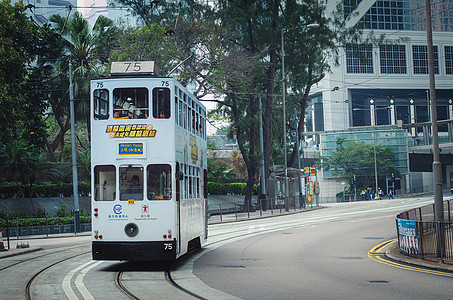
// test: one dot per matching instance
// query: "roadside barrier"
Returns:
(420, 235)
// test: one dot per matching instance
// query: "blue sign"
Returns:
(131, 148)
(407, 235)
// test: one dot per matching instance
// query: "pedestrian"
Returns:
(390, 194)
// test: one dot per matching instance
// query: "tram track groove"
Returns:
(30, 281)
(39, 256)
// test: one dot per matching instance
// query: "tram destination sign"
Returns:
(134, 67)
(130, 148)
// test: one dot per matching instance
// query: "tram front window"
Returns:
(101, 104)
(131, 182)
(130, 103)
(159, 182)
(104, 183)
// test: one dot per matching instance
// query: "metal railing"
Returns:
(236, 211)
(420, 235)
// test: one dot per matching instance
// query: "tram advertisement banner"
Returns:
(407, 235)
(131, 131)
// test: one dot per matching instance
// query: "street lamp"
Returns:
(283, 31)
(373, 124)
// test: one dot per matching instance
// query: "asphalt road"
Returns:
(320, 255)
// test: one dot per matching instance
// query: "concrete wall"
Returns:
(50, 205)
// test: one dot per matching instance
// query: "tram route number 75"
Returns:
(168, 246)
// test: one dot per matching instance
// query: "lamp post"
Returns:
(283, 31)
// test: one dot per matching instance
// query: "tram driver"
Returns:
(135, 187)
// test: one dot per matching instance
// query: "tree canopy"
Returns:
(20, 43)
(356, 158)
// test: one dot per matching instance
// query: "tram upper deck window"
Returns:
(131, 182)
(130, 103)
(161, 103)
(159, 182)
(101, 104)
(104, 183)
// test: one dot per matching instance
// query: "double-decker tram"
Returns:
(148, 160)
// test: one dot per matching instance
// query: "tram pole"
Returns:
(437, 166)
(75, 181)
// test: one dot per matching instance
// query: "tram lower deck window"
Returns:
(131, 182)
(104, 183)
(159, 182)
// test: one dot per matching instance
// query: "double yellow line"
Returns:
(376, 253)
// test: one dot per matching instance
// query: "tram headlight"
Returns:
(131, 229)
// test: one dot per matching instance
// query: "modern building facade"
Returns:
(41, 10)
(388, 84)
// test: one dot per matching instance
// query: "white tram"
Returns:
(148, 160)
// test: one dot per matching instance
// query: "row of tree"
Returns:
(232, 54)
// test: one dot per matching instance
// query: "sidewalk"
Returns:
(242, 216)
(37, 243)
(393, 252)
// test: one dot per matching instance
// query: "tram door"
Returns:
(178, 202)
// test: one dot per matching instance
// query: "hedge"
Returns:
(23, 222)
(43, 191)
(65, 190)
(229, 188)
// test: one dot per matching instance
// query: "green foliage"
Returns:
(43, 191)
(215, 188)
(23, 222)
(62, 211)
(19, 40)
(357, 158)
(220, 171)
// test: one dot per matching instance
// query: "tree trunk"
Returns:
(269, 105)
(303, 107)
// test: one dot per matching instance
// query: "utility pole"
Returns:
(301, 196)
(437, 167)
(75, 181)
(263, 173)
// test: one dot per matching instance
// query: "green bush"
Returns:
(23, 222)
(11, 190)
(215, 188)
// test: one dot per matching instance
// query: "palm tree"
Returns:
(23, 164)
(88, 51)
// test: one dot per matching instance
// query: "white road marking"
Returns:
(67, 281)
(79, 281)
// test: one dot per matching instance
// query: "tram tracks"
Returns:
(28, 286)
(37, 257)
(167, 274)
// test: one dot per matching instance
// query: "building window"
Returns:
(449, 60)
(359, 59)
(393, 59)
(385, 15)
(420, 56)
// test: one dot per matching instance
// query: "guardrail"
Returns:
(236, 211)
(419, 234)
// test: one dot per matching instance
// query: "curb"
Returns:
(393, 252)
(15, 252)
